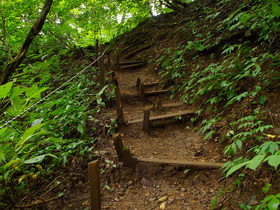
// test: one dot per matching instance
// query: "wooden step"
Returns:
(131, 66)
(131, 62)
(188, 164)
(156, 92)
(162, 117)
(166, 105)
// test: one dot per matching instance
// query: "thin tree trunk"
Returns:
(34, 31)
(4, 38)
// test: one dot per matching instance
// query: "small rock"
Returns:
(152, 199)
(183, 189)
(122, 189)
(146, 182)
(130, 183)
(125, 186)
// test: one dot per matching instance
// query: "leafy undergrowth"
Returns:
(49, 134)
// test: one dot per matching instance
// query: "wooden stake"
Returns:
(138, 82)
(101, 73)
(142, 92)
(120, 116)
(94, 182)
(159, 104)
(96, 52)
(124, 154)
(146, 120)
(109, 62)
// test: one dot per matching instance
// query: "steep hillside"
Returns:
(189, 119)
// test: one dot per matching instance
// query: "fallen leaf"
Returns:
(147, 194)
(162, 206)
(164, 198)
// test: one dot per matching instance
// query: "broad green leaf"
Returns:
(2, 156)
(2, 130)
(262, 99)
(80, 129)
(235, 168)
(238, 144)
(15, 91)
(37, 122)
(35, 159)
(273, 160)
(28, 134)
(255, 162)
(273, 204)
(275, 9)
(268, 198)
(5, 89)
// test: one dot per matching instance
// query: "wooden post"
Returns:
(96, 52)
(94, 182)
(159, 104)
(138, 82)
(120, 116)
(142, 92)
(118, 60)
(102, 74)
(146, 120)
(109, 62)
(123, 153)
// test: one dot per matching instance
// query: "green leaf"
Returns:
(238, 144)
(255, 162)
(235, 168)
(35, 159)
(273, 204)
(28, 134)
(208, 135)
(230, 93)
(275, 9)
(2, 130)
(80, 129)
(2, 156)
(262, 99)
(37, 122)
(256, 71)
(268, 198)
(273, 160)
(5, 89)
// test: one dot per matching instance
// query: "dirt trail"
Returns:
(161, 186)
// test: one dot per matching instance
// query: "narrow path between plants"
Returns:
(172, 160)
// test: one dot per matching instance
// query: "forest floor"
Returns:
(154, 186)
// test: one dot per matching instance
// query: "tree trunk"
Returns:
(4, 38)
(34, 31)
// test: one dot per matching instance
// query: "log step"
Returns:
(188, 164)
(131, 62)
(131, 66)
(166, 105)
(162, 117)
(156, 92)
